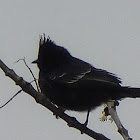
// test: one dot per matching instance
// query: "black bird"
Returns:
(73, 84)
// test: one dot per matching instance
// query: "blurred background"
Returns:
(104, 33)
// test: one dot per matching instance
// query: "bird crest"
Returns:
(45, 42)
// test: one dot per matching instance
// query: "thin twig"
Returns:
(30, 72)
(10, 99)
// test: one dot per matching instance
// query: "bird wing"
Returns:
(72, 77)
(79, 71)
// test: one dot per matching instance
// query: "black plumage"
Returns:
(73, 84)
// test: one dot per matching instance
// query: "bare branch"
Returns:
(115, 117)
(41, 99)
(10, 99)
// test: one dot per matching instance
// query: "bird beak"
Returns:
(35, 62)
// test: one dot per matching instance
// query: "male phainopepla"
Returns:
(73, 84)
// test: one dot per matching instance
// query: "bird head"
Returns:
(50, 55)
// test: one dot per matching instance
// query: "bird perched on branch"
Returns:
(73, 84)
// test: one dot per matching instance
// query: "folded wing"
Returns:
(77, 72)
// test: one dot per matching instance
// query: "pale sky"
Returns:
(104, 33)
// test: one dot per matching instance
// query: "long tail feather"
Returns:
(130, 92)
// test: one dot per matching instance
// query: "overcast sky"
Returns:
(105, 33)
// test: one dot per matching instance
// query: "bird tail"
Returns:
(130, 92)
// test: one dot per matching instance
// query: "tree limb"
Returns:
(41, 99)
(114, 115)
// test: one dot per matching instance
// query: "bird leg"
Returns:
(86, 122)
